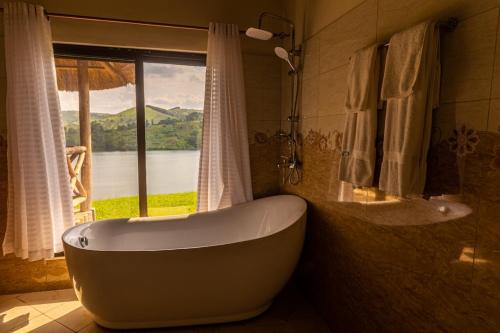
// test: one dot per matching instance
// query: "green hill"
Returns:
(166, 129)
(70, 117)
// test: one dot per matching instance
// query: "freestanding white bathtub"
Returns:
(205, 268)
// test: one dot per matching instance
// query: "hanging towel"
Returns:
(403, 62)
(361, 79)
(411, 88)
(357, 162)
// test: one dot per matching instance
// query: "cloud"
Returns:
(162, 70)
(166, 86)
(196, 79)
(159, 101)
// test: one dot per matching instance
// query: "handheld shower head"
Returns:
(259, 34)
(283, 54)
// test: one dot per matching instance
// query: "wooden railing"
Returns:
(75, 156)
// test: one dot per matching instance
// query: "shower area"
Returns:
(288, 163)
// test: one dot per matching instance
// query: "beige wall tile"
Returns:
(331, 124)
(349, 33)
(495, 89)
(57, 271)
(309, 103)
(262, 86)
(263, 104)
(467, 58)
(332, 91)
(308, 124)
(454, 115)
(320, 13)
(310, 67)
(494, 116)
(396, 15)
(3, 95)
(286, 93)
(3, 74)
(262, 70)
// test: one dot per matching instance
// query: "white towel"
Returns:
(404, 61)
(357, 162)
(361, 77)
(411, 87)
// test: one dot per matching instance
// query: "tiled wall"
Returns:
(364, 273)
(263, 100)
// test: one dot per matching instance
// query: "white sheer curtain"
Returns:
(39, 198)
(224, 177)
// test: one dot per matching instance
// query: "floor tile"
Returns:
(43, 324)
(60, 312)
(15, 314)
(71, 315)
(44, 301)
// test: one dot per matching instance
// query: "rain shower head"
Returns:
(259, 34)
(262, 34)
(283, 54)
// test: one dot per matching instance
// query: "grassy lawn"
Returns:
(158, 205)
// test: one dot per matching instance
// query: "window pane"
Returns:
(113, 130)
(174, 97)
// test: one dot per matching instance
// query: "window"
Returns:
(142, 112)
(174, 101)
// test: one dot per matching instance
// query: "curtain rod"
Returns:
(132, 22)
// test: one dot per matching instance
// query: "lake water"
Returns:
(115, 173)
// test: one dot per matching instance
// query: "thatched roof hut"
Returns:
(101, 74)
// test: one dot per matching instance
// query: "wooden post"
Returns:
(85, 131)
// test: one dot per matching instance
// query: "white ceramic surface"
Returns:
(203, 268)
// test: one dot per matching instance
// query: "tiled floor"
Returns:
(59, 311)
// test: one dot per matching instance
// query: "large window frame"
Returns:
(138, 57)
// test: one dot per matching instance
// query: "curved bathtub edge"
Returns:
(183, 322)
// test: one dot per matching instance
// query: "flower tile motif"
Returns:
(463, 141)
(324, 142)
(312, 137)
(262, 138)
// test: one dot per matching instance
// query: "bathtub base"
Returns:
(184, 322)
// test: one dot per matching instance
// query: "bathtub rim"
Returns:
(302, 217)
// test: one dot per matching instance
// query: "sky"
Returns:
(165, 85)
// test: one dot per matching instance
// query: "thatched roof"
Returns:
(102, 74)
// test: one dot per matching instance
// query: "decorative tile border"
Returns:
(262, 138)
(331, 141)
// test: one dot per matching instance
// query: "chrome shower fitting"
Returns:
(289, 164)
